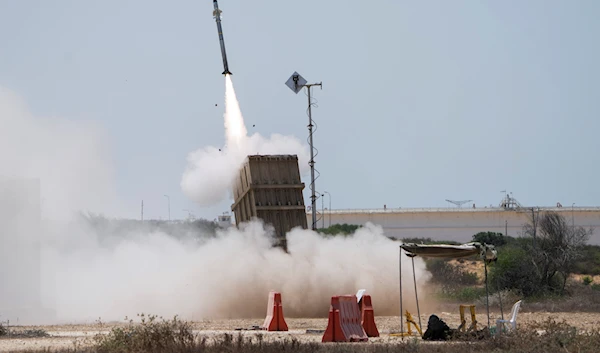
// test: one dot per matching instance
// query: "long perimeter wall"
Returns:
(457, 224)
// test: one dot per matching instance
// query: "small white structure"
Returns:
(224, 220)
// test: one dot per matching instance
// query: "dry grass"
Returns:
(580, 298)
(7, 332)
(175, 336)
(549, 324)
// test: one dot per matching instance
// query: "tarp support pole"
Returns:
(500, 297)
(416, 295)
(400, 277)
(487, 293)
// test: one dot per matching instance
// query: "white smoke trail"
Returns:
(235, 130)
(210, 172)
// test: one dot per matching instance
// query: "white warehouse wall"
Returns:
(457, 224)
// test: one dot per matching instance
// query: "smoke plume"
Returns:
(110, 269)
(210, 171)
(71, 157)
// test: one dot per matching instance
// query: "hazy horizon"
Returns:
(421, 103)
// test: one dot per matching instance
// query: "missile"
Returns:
(217, 16)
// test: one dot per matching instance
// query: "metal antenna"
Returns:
(296, 83)
(509, 201)
(458, 203)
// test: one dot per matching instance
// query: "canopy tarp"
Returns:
(487, 253)
(451, 251)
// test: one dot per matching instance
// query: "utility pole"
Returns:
(296, 83)
(328, 194)
(534, 225)
(142, 210)
(323, 209)
(573, 214)
(312, 157)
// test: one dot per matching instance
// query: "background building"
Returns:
(458, 224)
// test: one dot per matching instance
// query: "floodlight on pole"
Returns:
(296, 83)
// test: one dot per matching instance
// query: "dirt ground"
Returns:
(65, 336)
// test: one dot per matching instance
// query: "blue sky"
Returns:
(422, 101)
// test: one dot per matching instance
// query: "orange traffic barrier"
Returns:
(344, 321)
(274, 320)
(367, 316)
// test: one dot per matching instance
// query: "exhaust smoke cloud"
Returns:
(110, 269)
(228, 276)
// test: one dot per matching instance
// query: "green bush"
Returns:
(444, 273)
(587, 280)
(22, 333)
(339, 229)
(539, 263)
(428, 241)
(492, 238)
(514, 270)
(589, 262)
(468, 294)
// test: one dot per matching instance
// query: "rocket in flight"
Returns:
(217, 15)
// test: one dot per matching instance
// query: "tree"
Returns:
(557, 247)
(542, 258)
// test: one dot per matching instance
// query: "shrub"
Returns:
(514, 270)
(589, 262)
(587, 280)
(555, 249)
(492, 238)
(499, 300)
(339, 229)
(542, 337)
(444, 273)
(580, 298)
(4, 331)
(151, 335)
(539, 263)
(428, 241)
(464, 294)
(547, 336)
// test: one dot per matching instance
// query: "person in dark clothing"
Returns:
(437, 330)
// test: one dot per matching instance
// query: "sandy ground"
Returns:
(64, 336)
